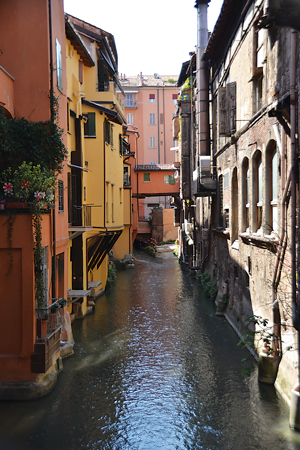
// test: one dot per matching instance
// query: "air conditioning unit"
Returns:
(202, 177)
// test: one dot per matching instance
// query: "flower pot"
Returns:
(268, 368)
(17, 205)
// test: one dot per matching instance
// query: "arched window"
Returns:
(257, 187)
(271, 187)
(234, 206)
(245, 194)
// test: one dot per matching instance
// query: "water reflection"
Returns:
(154, 368)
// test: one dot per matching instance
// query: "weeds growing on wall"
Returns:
(209, 286)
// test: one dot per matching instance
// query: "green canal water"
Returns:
(154, 369)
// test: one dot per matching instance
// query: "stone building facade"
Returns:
(244, 233)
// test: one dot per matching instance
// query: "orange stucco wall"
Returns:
(156, 185)
(25, 55)
(6, 91)
(17, 306)
(163, 107)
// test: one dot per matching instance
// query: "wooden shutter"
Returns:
(222, 112)
(231, 107)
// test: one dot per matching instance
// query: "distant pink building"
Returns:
(150, 106)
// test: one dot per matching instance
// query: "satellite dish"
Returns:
(176, 174)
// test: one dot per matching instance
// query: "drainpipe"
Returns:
(202, 119)
(158, 142)
(202, 78)
(52, 119)
(295, 304)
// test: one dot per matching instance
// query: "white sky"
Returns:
(153, 36)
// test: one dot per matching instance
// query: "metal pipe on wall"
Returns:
(202, 78)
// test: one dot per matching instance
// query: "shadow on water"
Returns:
(154, 368)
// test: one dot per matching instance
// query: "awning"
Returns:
(99, 246)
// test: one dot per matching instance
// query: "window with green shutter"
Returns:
(121, 144)
(90, 125)
(146, 176)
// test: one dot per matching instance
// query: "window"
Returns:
(108, 133)
(121, 144)
(90, 125)
(257, 191)
(174, 97)
(271, 188)
(129, 119)
(274, 180)
(259, 50)
(146, 176)
(152, 141)
(58, 65)
(245, 194)
(152, 119)
(169, 179)
(103, 78)
(129, 101)
(258, 61)
(126, 177)
(234, 232)
(80, 72)
(257, 97)
(152, 98)
(60, 196)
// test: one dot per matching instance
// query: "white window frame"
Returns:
(152, 119)
(129, 119)
(58, 65)
(152, 142)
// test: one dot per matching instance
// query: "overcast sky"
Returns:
(153, 36)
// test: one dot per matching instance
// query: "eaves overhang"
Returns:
(112, 115)
(230, 14)
(78, 43)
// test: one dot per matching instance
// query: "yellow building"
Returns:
(95, 143)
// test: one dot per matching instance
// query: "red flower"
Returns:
(8, 187)
(25, 184)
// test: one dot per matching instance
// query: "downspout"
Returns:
(52, 113)
(285, 185)
(104, 174)
(158, 147)
(295, 304)
(202, 78)
(164, 125)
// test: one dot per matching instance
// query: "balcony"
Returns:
(46, 352)
(126, 180)
(131, 104)
(80, 215)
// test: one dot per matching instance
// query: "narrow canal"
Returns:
(154, 369)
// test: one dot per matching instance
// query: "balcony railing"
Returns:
(80, 215)
(126, 180)
(131, 104)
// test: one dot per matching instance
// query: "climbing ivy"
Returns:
(36, 142)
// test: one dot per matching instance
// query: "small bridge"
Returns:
(156, 180)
